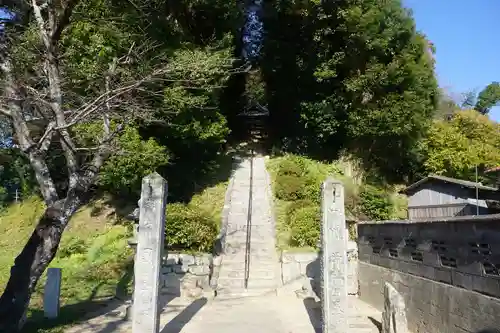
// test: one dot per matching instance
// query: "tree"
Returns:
(350, 75)
(483, 101)
(488, 98)
(55, 87)
(456, 146)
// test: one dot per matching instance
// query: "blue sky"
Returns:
(466, 39)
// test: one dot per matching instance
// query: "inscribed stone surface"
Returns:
(333, 259)
(149, 255)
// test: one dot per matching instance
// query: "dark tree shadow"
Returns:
(377, 323)
(313, 309)
(176, 324)
(313, 273)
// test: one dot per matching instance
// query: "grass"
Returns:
(94, 256)
(316, 172)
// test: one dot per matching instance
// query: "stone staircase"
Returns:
(250, 239)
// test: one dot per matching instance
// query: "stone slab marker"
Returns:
(147, 267)
(333, 258)
(51, 293)
(394, 315)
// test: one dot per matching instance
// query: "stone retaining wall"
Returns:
(186, 275)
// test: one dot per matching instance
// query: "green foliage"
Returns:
(375, 203)
(305, 226)
(93, 256)
(488, 98)
(289, 167)
(363, 81)
(189, 228)
(194, 226)
(297, 188)
(290, 187)
(133, 159)
(454, 147)
(137, 158)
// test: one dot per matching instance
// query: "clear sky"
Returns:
(467, 40)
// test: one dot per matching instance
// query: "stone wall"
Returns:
(447, 270)
(305, 265)
(186, 275)
(464, 252)
(431, 307)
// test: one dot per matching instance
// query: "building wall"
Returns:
(447, 270)
(433, 193)
(443, 200)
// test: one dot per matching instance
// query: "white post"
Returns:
(147, 268)
(333, 259)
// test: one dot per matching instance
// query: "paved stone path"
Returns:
(263, 314)
(272, 309)
(251, 185)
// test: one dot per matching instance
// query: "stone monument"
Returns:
(333, 258)
(150, 247)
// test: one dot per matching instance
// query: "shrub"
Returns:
(189, 228)
(288, 167)
(375, 203)
(295, 205)
(305, 226)
(290, 188)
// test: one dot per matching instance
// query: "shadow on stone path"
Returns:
(361, 316)
(177, 323)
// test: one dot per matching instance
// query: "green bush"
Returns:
(305, 226)
(295, 205)
(289, 167)
(189, 228)
(290, 188)
(375, 203)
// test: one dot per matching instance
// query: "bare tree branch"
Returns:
(5, 112)
(42, 30)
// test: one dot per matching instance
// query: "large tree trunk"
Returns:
(30, 264)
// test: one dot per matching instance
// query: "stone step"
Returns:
(254, 274)
(260, 266)
(254, 242)
(254, 257)
(224, 294)
(257, 234)
(239, 284)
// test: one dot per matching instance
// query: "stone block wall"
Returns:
(431, 307)
(461, 251)
(306, 265)
(186, 275)
(448, 270)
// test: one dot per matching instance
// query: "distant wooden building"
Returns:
(438, 196)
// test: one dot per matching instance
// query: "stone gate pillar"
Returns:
(333, 258)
